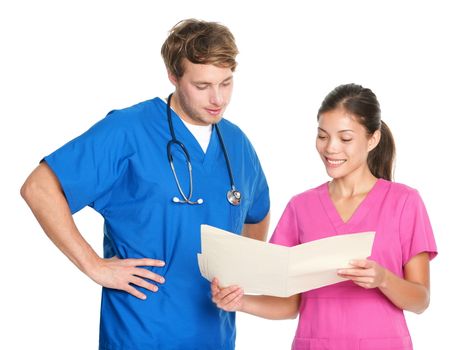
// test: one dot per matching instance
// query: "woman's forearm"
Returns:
(412, 292)
(273, 308)
(406, 295)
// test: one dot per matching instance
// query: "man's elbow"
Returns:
(41, 182)
(28, 189)
(37, 184)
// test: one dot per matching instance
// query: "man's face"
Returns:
(202, 93)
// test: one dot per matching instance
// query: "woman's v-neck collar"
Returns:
(360, 212)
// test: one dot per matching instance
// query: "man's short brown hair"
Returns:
(200, 42)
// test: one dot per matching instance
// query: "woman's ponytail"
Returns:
(381, 158)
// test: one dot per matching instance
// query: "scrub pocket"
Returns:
(310, 344)
(401, 343)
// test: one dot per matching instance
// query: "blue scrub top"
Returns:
(119, 167)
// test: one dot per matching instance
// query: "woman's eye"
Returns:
(321, 137)
(346, 140)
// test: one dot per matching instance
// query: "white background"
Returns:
(65, 64)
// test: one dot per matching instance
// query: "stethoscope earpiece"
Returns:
(233, 195)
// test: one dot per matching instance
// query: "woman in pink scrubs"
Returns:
(365, 312)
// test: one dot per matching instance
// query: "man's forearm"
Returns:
(257, 231)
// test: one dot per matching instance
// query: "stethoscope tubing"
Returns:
(233, 195)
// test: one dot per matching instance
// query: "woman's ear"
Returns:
(374, 139)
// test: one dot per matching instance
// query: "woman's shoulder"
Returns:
(401, 193)
(399, 188)
(310, 194)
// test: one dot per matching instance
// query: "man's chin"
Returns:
(208, 120)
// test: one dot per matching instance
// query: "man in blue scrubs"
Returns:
(153, 294)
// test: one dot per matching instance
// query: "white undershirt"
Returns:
(202, 133)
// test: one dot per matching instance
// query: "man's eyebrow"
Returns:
(227, 79)
(209, 83)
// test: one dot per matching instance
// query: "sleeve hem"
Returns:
(66, 192)
(264, 212)
(432, 253)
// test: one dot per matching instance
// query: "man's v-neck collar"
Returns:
(184, 135)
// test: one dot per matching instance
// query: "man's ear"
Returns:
(173, 79)
(374, 140)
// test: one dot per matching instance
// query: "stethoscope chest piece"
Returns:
(234, 197)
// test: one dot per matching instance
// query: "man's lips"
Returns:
(214, 111)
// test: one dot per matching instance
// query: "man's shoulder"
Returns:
(141, 109)
(138, 114)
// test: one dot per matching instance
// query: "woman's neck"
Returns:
(355, 184)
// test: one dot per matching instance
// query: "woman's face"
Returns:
(343, 143)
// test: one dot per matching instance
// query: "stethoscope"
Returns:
(233, 195)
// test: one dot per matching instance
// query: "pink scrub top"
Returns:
(345, 316)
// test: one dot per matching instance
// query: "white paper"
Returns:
(270, 269)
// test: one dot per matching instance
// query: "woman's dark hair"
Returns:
(363, 104)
